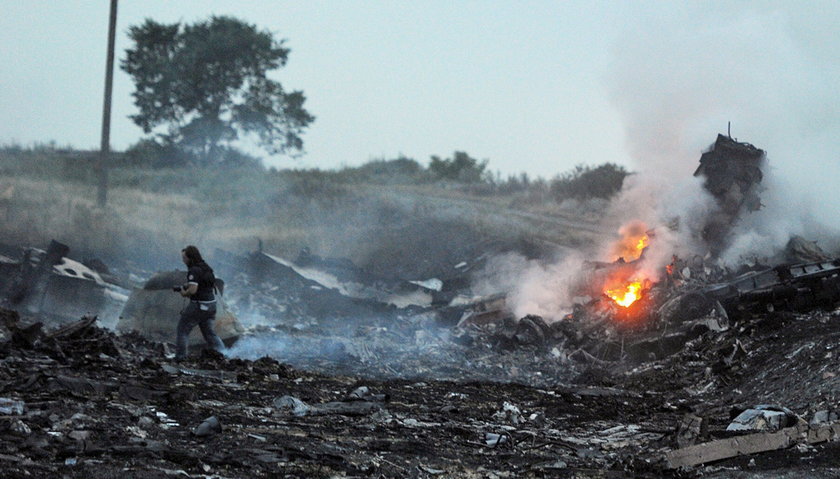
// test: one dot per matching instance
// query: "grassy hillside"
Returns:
(380, 215)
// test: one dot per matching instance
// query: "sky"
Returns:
(531, 86)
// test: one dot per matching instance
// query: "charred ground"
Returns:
(97, 405)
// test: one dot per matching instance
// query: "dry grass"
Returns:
(236, 212)
(135, 222)
(40, 210)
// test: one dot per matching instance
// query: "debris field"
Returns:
(80, 401)
(333, 371)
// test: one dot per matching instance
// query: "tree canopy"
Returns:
(207, 83)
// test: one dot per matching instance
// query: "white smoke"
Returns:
(763, 235)
(673, 208)
(672, 211)
(254, 347)
(532, 286)
(680, 76)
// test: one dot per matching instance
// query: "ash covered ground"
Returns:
(85, 402)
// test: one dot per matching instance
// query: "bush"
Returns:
(150, 153)
(400, 166)
(313, 185)
(400, 170)
(460, 168)
(229, 157)
(585, 182)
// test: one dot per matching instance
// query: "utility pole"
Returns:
(104, 147)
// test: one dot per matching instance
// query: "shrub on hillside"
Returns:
(461, 167)
(315, 185)
(150, 153)
(396, 171)
(585, 182)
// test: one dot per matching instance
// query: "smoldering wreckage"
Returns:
(334, 372)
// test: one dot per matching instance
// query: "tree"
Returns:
(208, 84)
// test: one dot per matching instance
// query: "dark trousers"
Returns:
(201, 315)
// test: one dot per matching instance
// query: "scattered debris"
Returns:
(58, 289)
(407, 377)
(293, 405)
(689, 430)
(208, 427)
(494, 440)
(751, 444)
(763, 418)
(11, 407)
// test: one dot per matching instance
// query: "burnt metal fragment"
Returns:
(732, 172)
(211, 426)
(797, 287)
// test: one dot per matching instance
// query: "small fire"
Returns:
(628, 277)
(626, 295)
(642, 244)
(634, 240)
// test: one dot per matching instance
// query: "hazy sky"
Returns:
(535, 86)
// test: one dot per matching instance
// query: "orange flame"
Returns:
(626, 295)
(642, 244)
(634, 240)
(626, 283)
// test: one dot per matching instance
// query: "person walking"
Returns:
(201, 310)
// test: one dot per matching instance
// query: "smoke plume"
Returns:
(672, 213)
(771, 70)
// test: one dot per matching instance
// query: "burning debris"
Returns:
(638, 306)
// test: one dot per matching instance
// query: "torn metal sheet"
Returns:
(343, 276)
(751, 444)
(49, 284)
(763, 418)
